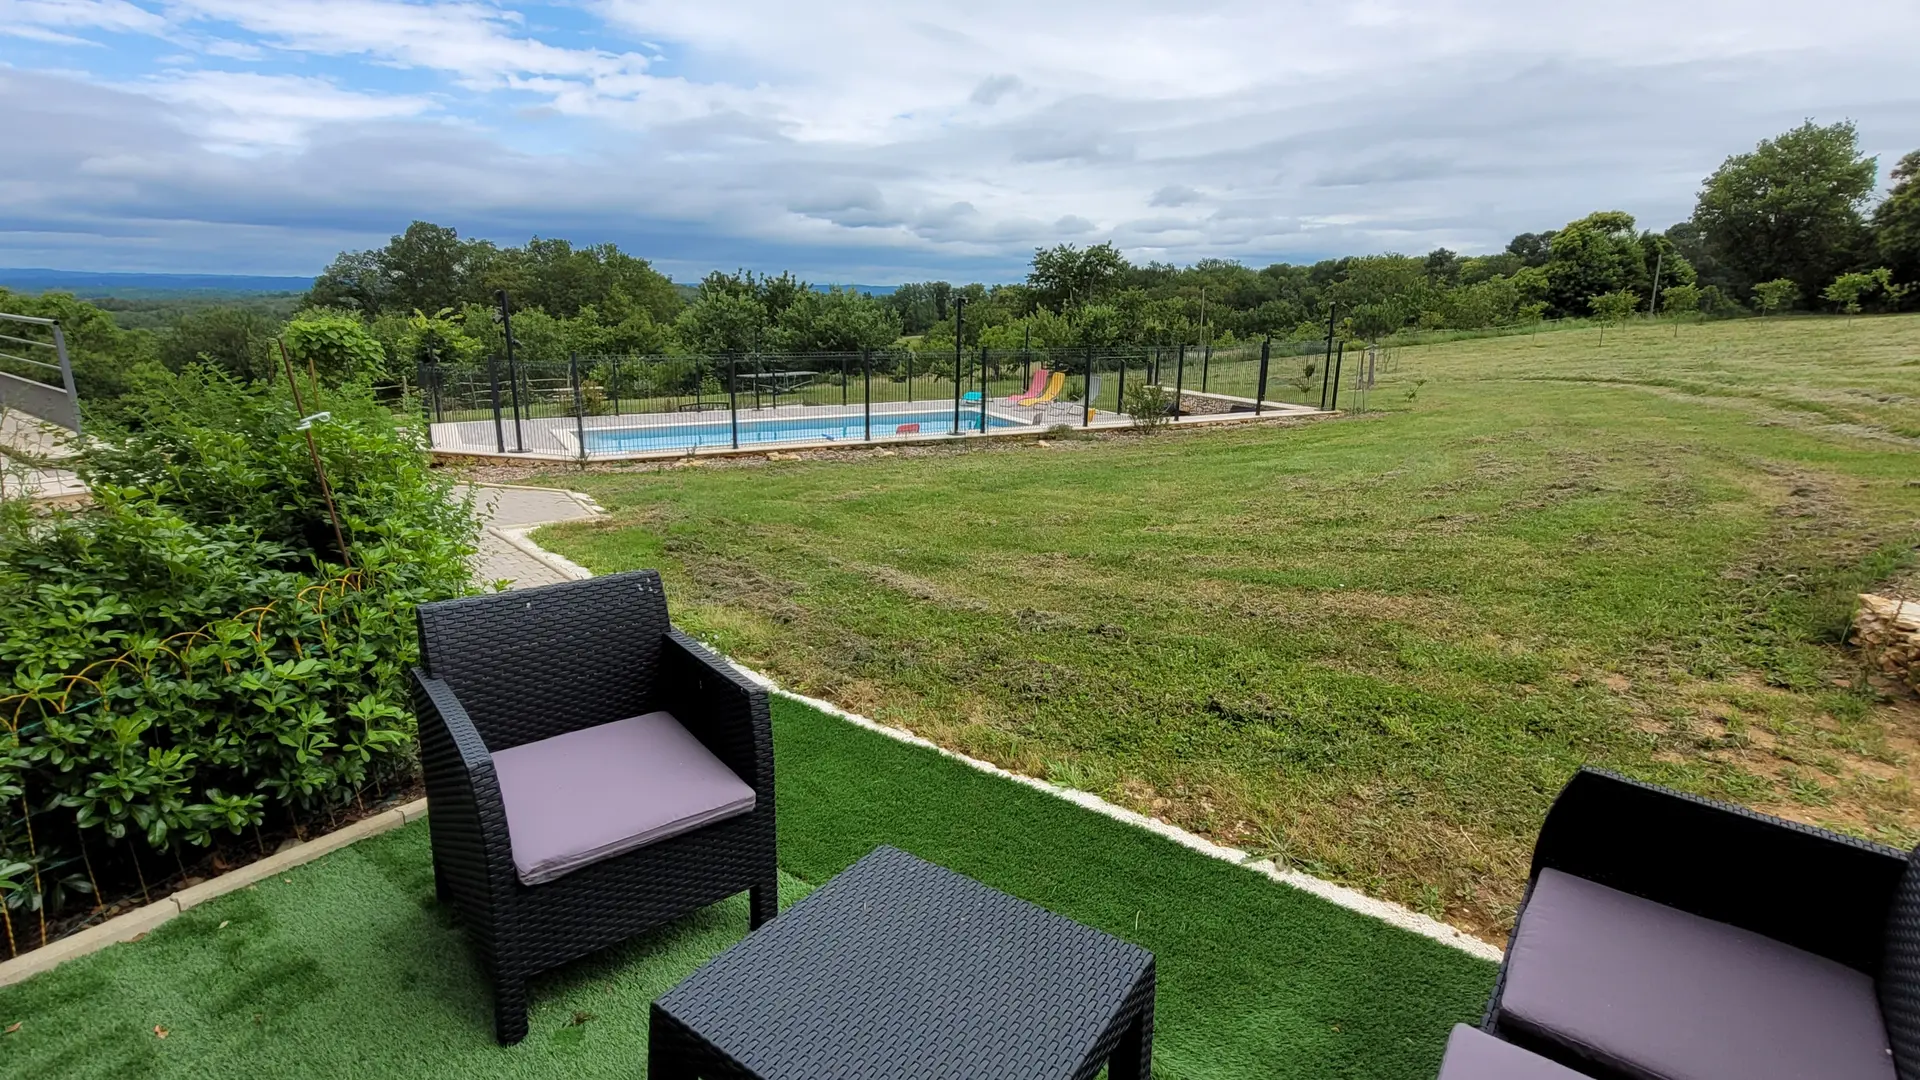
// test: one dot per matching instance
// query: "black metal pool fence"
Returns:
(599, 406)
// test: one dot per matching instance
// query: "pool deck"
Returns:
(558, 437)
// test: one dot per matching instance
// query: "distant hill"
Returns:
(85, 283)
(88, 284)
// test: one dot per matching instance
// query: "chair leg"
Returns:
(765, 902)
(509, 1011)
(667, 1051)
(1133, 1058)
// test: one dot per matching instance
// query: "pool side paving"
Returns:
(658, 434)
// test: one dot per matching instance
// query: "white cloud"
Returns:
(249, 112)
(43, 19)
(863, 132)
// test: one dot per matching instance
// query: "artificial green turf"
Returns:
(347, 967)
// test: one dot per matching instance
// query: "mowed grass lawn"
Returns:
(1373, 647)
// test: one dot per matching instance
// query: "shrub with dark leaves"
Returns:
(191, 652)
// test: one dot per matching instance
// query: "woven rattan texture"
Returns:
(899, 968)
(1839, 897)
(1900, 974)
(548, 639)
(576, 654)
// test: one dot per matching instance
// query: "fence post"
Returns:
(1086, 391)
(493, 380)
(1206, 362)
(866, 389)
(909, 375)
(513, 371)
(66, 373)
(579, 404)
(426, 399)
(1326, 366)
(1260, 394)
(983, 389)
(1338, 357)
(843, 380)
(1120, 393)
(613, 381)
(1179, 380)
(733, 396)
(959, 336)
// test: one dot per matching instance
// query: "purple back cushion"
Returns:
(1652, 991)
(591, 794)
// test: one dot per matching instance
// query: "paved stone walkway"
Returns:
(38, 441)
(506, 515)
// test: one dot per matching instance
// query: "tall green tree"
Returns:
(236, 340)
(1067, 276)
(1532, 249)
(1596, 255)
(838, 320)
(1896, 222)
(1791, 208)
(723, 321)
(427, 268)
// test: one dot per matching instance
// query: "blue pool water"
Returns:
(839, 427)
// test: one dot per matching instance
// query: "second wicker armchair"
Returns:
(591, 772)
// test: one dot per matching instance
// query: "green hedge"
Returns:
(191, 654)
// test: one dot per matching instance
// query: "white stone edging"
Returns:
(136, 923)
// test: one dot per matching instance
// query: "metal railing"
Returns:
(27, 383)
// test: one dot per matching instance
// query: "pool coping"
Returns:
(1282, 411)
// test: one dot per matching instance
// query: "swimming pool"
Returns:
(837, 427)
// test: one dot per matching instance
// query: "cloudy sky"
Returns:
(881, 141)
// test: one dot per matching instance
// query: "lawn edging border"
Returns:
(136, 923)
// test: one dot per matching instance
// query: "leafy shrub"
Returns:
(191, 653)
(1149, 405)
(334, 344)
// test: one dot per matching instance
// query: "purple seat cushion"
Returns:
(602, 791)
(1652, 991)
(1473, 1054)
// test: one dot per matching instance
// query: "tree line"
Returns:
(1790, 225)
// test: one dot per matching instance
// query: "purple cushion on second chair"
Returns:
(602, 791)
(1473, 1054)
(1652, 991)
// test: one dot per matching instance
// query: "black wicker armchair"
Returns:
(1667, 936)
(591, 772)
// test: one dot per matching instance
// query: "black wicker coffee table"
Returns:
(899, 968)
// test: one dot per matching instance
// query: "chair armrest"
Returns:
(1807, 887)
(725, 711)
(467, 818)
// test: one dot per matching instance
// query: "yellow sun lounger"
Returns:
(1054, 386)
